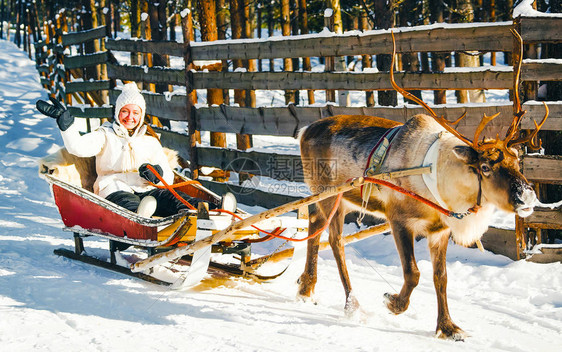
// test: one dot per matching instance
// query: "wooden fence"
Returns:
(286, 121)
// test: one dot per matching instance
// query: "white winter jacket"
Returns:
(118, 156)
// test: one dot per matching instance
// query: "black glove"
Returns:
(57, 111)
(145, 173)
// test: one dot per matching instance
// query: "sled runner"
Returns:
(86, 214)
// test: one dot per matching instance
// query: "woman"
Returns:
(123, 152)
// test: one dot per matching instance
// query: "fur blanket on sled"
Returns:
(82, 171)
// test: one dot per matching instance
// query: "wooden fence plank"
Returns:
(145, 74)
(40, 44)
(541, 70)
(74, 38)
(170, 107)
(81, 61)
(284, 167)
(535, 111)
(544, 219)
(42, 68)
(479, 79)
(490, 78)
(175, 141)
(250, 196)
(91, 112)
(143, 46)
(282, 121)
(455, 37)
(541, 29)
(543, 168)
(40, 56)
(81, 86)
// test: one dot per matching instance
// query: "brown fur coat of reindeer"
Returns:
(469, 173)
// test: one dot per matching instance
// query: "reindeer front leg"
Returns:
(445, 326)
(404, 239)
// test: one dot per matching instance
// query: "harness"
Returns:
(377, 157)
(374, 163)
(430, 179)
(378, 153)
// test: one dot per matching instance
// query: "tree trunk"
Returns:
(329, 62)
(157, 13)
(339, 65)
(385, 20)
(437, 59)
(222, 27)
(250, 64)
(367, 60)
(17, 37)
(238, 28)
(306, 65)
(410, 61)
(270, 28)
(465, 13)
(2, 17)
(286, 31)
(116, 17)
(259, 22)
(208, 23)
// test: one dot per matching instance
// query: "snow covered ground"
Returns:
(48, 303)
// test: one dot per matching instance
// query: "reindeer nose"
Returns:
(524, 200)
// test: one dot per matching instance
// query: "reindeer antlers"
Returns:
(504, 144)
(447, 125)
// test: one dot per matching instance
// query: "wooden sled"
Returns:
(86, 214)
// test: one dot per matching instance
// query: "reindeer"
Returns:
(467, 174)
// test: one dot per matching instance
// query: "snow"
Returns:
(49, 303)
(525, 9)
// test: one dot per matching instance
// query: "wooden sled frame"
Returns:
(86, 214)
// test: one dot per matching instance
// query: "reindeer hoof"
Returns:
(306, 299)
(449, 331)
(395, 304)
(351, 305)
(306, 286)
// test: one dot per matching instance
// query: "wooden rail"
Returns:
(455, 37)
(490, 78)
(84, 36)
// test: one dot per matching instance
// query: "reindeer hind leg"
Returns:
(308, 278)
(445, 327)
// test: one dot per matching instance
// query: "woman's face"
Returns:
(130, 116)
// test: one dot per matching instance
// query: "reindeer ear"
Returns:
(466, 154)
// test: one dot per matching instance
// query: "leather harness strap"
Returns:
(378, 153)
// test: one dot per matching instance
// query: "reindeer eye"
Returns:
(485, 169)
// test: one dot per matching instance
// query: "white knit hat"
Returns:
(129, 95)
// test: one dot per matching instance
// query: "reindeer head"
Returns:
(494, 161)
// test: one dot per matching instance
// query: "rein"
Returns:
(276, 233)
